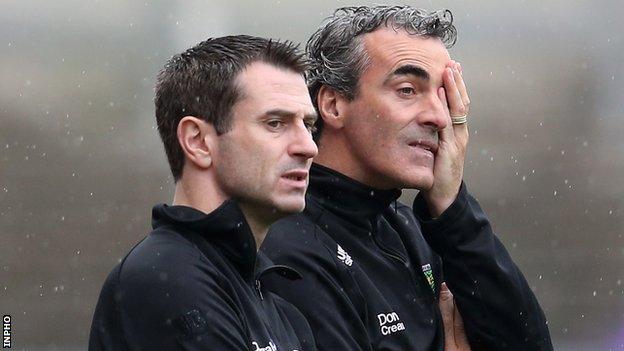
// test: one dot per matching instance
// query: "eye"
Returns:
(407, 91)
(275, 123)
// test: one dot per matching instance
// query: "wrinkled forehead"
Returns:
(387, 49)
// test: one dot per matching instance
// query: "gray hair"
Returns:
(337, 56)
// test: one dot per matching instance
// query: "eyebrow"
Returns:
(410, 70)
(288, 114)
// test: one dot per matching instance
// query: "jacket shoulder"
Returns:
(297, 237)
(163, 254)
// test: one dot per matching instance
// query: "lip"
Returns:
(426, 145)
(296, 178)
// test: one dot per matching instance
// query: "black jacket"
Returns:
(194, 283)
(372, 269)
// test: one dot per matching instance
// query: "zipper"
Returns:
(256, 283)
(259, 289)
(396, 257)
(418, 262)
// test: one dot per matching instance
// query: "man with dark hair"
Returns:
(393, 108)
(236, 120)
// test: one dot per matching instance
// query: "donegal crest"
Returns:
(429, 275)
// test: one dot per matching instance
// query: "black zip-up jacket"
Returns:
(194, 283)
(372, 269)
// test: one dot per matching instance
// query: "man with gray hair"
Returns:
(393, 108)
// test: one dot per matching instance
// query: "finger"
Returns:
(456, 106)
(462, 134)
(461, 86)
(446, 133)
(455, 103)
(446, 309)
(461, 340)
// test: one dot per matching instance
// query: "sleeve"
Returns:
(499, 309)
(321, 295)
(170, 298)
(106, 333)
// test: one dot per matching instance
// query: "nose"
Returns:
(302, 144)
(434, 114)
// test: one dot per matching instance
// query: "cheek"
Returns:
(237, 164)
(254, 162)
(374, 134)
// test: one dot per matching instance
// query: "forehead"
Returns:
(388, 50)
(265, 87)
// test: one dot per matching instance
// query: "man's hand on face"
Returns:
(453, 139)
(454, 332)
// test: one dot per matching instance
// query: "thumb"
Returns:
(460, 332)
(446, 306)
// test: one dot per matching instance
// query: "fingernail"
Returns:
(443, 287)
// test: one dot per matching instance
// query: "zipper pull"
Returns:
(259, 289)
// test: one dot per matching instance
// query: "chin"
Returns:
(417, 180)
(290, 205)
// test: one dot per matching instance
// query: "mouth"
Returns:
(426, 145)
(296, 178)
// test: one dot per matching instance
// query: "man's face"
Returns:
(392, 123)
(265, 158)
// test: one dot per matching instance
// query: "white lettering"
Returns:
(344, 256)
(392, 329)
(389, 318)
(271, 347)
(6, 331)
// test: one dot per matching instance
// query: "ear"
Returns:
(196, 138)
(332, 106)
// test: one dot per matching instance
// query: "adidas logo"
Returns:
(344, 256)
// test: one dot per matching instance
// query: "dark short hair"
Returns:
(200, 82)
(337, 55)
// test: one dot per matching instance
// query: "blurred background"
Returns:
(81, 164)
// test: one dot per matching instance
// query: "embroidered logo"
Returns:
(344, 256)
(429, 275)
(271, 347)
(390, 323)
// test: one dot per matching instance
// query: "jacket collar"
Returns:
(225, 228)
(228, 231)
(346, 197)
